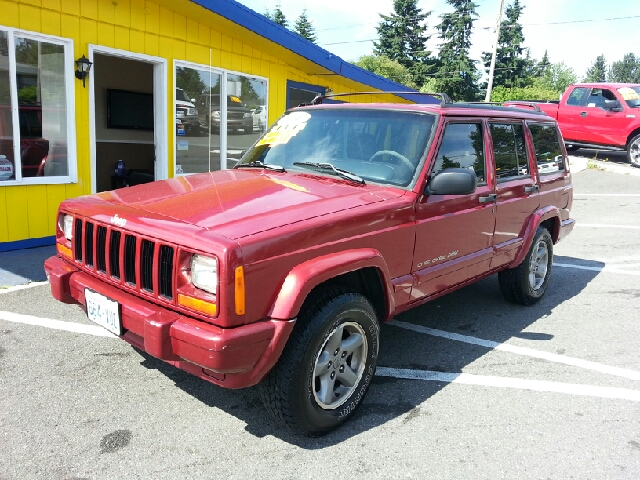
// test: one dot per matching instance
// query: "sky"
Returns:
(571, 31)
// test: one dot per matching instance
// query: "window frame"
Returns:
(560, 145)
(69, 76)
(483, 132)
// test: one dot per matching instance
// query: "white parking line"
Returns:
(508, 382)
(600, 225)
(56, 324)
(597, 269)
(606, 194)
(529, 352)
(22, 287)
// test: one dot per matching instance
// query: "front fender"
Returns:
(532, 226)
(306, 276)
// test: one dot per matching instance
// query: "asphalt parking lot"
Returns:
(468, 386)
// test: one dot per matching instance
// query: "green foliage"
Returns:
(457, 75)
(626, 70)
(189, 80)
(558, 77)
(542, 65)
(597, 72)
(279, 17)
(514, 67)
(304, 27)
(385, 67)
(402, 38)
(28, 95)
(531, 92)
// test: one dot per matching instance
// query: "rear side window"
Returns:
(462, 147)
(546, 143)
(509, 150)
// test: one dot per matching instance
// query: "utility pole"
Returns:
(493, 57)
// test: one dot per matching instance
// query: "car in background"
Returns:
(239, 117)
(187, 113)
(34, 150)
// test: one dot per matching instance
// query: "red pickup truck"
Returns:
(599, 115)
(280, 270)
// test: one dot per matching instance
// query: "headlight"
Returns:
(67, 226)
(247, 115)
(204, 273)
(216, 114)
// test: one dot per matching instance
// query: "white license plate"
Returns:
(103, 311)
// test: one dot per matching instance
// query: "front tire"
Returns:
(633, 151)
(526, 283)
(327, 365)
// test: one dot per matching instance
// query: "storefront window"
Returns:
(203, 129)
(246, 115)
(40, 129)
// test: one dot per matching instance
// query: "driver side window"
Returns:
(462, 147)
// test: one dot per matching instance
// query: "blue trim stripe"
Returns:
(261, 25)
(29, 243)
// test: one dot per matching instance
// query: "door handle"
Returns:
(531, 189)
(583, 114)
(489, 198)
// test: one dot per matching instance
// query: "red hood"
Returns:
(238, 203)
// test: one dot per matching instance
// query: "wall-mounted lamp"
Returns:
(83, 65)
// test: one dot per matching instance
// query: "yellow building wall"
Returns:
(153, 28)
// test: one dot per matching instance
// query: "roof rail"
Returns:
(444, 98)
(516, 103)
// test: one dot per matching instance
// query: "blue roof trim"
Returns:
(261, 25)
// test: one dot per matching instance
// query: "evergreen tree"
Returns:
(598, 71)
(402, 38)
(457, 75)
(626, 70)
(277, 16)
(304, 27)
(513, 68)
(543, 65)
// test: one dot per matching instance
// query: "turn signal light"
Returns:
(66, 251)
(240, 296)
(197, 304)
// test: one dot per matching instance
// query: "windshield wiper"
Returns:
(265, 166)
(338, 171)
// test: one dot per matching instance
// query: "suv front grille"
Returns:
(140, 263)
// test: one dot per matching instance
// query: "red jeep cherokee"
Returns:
(280, 270)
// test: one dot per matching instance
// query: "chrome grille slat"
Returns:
(146, 265)
(101, 249)
(88, 244)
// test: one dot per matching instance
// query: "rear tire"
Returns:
(527, 283)
(327, 364)
(633, 151)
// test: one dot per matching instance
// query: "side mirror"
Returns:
(452, 181)
(613, 105)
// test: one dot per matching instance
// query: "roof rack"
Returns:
(515, 103)
(444, 98)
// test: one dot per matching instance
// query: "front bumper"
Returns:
(230, 357)
(565, 228)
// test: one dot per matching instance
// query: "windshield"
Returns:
(631, 95)
(180, 95)
(380, 146)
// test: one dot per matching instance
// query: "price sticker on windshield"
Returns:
(286, 128)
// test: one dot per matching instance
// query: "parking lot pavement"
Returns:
(20, 267)
(468, 386)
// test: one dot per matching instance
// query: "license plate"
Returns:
(103, 311)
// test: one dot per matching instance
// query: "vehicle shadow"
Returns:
(23, 266)
(614, 157)
(477, 310)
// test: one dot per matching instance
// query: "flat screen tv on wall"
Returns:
(132, 110)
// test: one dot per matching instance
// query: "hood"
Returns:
(240, 203)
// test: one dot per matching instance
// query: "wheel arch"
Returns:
(363, 271)
(548, 217)
(632, 135)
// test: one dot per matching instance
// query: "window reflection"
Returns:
(41, 108)
(7, 169)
